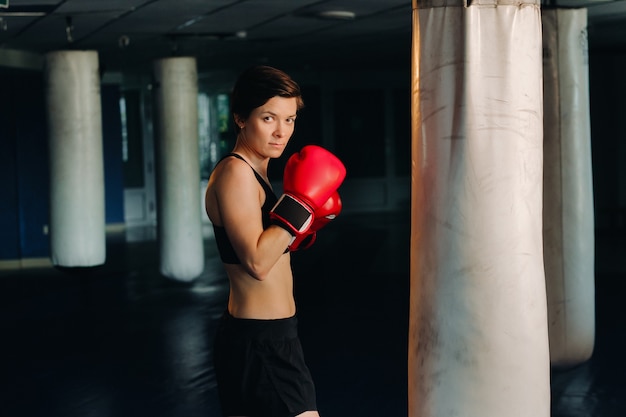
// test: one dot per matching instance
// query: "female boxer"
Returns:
(258, 358)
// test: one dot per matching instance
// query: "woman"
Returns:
(258, 358)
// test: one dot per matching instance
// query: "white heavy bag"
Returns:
(478, 338)
(568, 218)
(179, 199)
(77, 214)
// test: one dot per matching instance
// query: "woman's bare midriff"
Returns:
(271, 298)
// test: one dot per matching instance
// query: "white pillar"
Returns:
(77, 220)
(179, 214)
(568, 216)
(478, 338)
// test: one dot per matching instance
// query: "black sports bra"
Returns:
(225, 248)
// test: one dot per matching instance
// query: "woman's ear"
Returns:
(238, 121)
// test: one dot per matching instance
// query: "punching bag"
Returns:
(77, 214)
(568, 218)
(178, 169)
(478, 338)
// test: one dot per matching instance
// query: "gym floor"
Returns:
(120, 340)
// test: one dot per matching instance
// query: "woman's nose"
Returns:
(279, 132)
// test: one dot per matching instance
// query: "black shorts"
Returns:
(260, 368)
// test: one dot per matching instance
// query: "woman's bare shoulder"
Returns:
(230, 170)
(234, 183)
(230, 180)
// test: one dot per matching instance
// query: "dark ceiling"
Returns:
(227, 34)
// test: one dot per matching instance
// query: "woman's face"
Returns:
(269, 127)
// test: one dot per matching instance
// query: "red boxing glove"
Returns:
(329, 211)
(311, 176)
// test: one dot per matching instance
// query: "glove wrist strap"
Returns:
(292, 215)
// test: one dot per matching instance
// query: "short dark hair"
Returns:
(256, 85)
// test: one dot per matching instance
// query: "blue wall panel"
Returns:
(112, 148)
(32, 164)
(9, 225)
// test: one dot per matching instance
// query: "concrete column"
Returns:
(77, 221)
(478, 337)
(568, 216)
(178, 169)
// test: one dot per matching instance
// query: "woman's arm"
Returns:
(239, 198)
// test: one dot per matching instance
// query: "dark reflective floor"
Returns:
(120, 340)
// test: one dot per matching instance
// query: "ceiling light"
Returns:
(22, 14)
(337, 15)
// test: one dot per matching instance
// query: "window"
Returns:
(132, 139)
